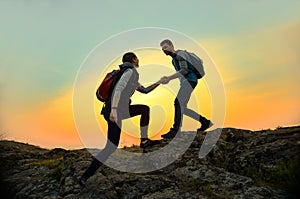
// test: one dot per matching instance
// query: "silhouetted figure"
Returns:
(188, 81)
(118, 107)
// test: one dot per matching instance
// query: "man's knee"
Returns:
(180, 105)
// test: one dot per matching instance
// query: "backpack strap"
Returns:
(188, 59)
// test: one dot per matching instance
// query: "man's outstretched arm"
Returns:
(166, 79)
(183, 65)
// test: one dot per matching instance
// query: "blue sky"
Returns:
(47, 40)
(43, 42)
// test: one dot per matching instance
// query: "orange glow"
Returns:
(261, 89)
(49, 125)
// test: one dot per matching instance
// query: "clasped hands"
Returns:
(163, 80)
(114, 115)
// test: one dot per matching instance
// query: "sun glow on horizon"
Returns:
(260, 71)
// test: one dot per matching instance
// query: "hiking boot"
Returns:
(205, 125)
(148, 143)
(81, 181)
(172, 133)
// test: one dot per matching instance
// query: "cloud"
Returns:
(259, 60)
(261, 73)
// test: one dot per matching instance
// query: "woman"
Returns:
(118, 107)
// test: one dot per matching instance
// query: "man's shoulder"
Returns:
(179, 51)
(181, 54)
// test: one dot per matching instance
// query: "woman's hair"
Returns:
(128, 57)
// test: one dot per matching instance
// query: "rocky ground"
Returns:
(243, 164)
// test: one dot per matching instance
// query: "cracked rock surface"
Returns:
(242, 164)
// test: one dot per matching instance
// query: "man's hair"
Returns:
(166, 41)
(128, 57)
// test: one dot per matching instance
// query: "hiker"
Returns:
(118, 107)
(188, 81)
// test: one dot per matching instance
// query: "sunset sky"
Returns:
(255, 46)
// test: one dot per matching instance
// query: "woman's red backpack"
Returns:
(106, 87)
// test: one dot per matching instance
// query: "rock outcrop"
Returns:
(242, 164)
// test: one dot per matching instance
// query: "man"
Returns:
(188, 81)
(118, 107)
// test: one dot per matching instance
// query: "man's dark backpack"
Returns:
(106, 87)
(197, 64)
